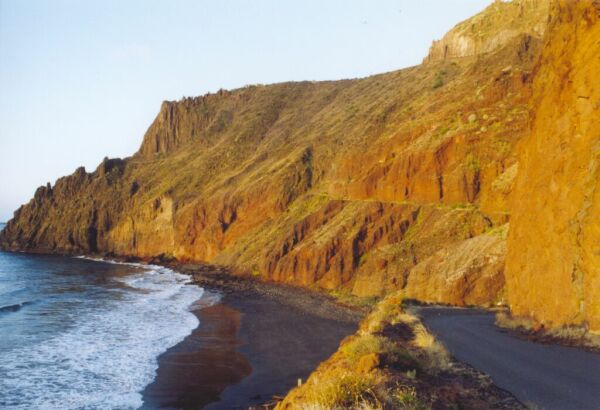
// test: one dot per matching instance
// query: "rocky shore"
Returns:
(313, 302)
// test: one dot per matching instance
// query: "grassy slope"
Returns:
(345, 183)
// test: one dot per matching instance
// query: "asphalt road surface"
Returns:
(548, 376)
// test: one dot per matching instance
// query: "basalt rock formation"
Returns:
(553, 261)
(396, 181)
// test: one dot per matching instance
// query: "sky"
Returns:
(81, 80)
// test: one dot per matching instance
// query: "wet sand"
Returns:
(253, 345)
(194, 372)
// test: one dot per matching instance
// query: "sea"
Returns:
(77, 333)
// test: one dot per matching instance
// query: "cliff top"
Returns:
(492, 28)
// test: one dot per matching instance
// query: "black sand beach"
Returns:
(194, 372)
(251, 346)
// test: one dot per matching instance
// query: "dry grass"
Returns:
(389, 313)
(436, 356)
(406, 398)
(508, 321)
(367, 344)
(578, 335)
(389, 310)
(362, 392)
(343, 391)
(344, 383)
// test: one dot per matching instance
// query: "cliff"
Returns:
(553, 261)
(363, 186)
(494, 27)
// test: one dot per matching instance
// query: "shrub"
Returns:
(507, 321)
(592, 340)
(349, 391)
(472, 163)
(568, 333)
(436, 357)
(439, 81)
(406, 398)
(368, 344)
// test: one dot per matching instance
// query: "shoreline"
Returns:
(251, 346)
(194, 372)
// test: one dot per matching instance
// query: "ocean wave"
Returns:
(108, 357)
(15, 307)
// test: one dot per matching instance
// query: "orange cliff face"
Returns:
(553, 261)
(395, 181)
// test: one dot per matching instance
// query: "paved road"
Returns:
(549, 376)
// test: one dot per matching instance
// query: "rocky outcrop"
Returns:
(468, 273)
(492, 28)
(178, 123)
(553, 260)
(355, 185)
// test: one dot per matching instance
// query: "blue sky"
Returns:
(81, 80)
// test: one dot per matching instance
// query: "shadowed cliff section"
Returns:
(354, 185)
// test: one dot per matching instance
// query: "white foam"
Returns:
(110, 355)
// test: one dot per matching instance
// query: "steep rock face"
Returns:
(553, 261)
(491, 29)
(69, 216)
(342, 184)
(191, 118)
(454, 148)
(366, 246)
(388, 267)
(467, 273)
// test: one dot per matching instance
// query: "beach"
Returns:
(250, 347)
